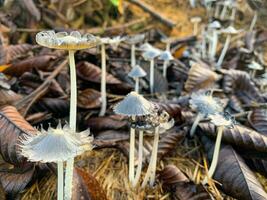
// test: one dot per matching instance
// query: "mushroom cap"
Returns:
(215, 24)
(55, 145)
(169, 40)
(134, 39)
(205, 103)
(145, 47)
(195, 19)
(63, 40)
(230, 30)
(150, 54)
(137, 72)
(166, 56)
(134, 104)
(115, 40)
(255, 65)
(222, 120)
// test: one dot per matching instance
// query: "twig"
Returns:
(154, 13)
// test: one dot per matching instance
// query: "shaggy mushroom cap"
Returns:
(225, 120)
(255, 65)
(205, 103)
(55, 145)
(137, 72)
(134, 105)
(63, 40)
(166, 56)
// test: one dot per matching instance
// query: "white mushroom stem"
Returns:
(131, 155)
(214, 43)
(226, 45)
(204, 43)
(151, 80)
(168, 46)
(103, 81)
(233, 14)
(253, 22)
(133, 62)
(151, 170)
(60, 180)
(216, 153)
(136, 88)
(73, 113)
(195, 31)
(140, 159)
(194, 126)
(223, 13)
(253, 73)
(165, 66)
(217, 10)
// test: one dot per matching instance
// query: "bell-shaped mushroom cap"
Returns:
(150, 54)
(137, 72)
(63, 40)
(215, 25)
(55, 145)
(134, 39)
(134, 105)
(145, 47)
(255, 65)
(230, 30)
(166, 56)
(195, 19)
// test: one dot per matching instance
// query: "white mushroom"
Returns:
(254, 66)
(195, 21)
(166, 56)
(136, 73)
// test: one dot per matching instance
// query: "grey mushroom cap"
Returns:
(215, 25)
(255, 65)
(134, 39)
(230, 30)
(137, 72)
(145, 47)
(151, 54)
(134, 104)
(166, 56)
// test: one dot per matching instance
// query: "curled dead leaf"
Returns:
(89, 98)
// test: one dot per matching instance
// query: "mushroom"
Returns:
(136, 73)
(226, 4)
(220, 121)
(214, 26)
(133, 40)
(70, 42)
(195, 21)
(168, 42)
(206, 105)
(55, 145)
(228, 31)
(254, 66)
(151, 54)
(114, 42)
(136, 107)
(166, 56)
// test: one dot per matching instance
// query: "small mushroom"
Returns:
(229, 31)
(168, 41)
(254, 66)
(151, 54)
(114, 42)
(206, 105)
(136, 107)
(136, 73)
(221, 121)
(195, 21)
(55, 145)
(133, 40)
(166, 56)
(70, 42)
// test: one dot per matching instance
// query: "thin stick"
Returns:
(73, 113)
(103, 81)
(131, 156)
(140, 159)
(60, 180)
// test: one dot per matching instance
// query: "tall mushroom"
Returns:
(221, 121)
(205, 105)
(214, 27)
(136, 107)
(195, 21)
(151, 54)
(136, 73)
(133, 40)
(114, 42)
(166, 56)
(229, 31)
(70, 42)
(55, 146)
